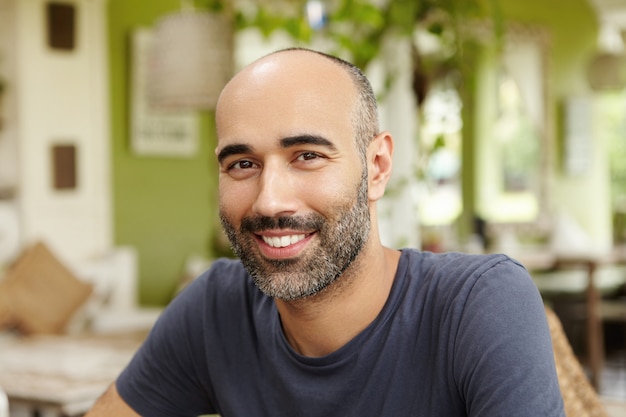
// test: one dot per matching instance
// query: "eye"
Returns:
(308, 156)
(241, 169)
(244, 164)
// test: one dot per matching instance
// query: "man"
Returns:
(318, 318)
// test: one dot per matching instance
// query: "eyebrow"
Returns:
(235, 149)
(240, 148)
(306, 140)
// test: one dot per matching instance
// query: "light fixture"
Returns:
(607, 72)
(607, 69)
(191, 60)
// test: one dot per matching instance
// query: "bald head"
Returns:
(299, 78)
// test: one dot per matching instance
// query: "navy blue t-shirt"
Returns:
(460, 335)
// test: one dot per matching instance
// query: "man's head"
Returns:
(297, 131)
(364, 111)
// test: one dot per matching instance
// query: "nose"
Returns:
(277, 194)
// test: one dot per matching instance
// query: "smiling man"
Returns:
(318, 318)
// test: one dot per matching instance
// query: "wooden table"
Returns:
(595, 333)
(62, 375)
(590, 262)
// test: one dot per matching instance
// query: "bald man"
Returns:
(317, 317)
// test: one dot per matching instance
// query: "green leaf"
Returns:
(440, 143)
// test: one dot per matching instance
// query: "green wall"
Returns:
(164, 207)
(573, 28)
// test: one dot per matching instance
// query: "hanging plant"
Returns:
(359, 29)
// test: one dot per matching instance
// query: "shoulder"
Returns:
(225, 288)
(458, 262)
(224, 271)
(226, 276)
(456, 267)
(443, 280)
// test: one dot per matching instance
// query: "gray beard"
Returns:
(341, 238)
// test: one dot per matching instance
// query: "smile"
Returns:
(282, 241)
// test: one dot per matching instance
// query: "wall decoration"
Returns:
(61, 25)
(156, 132)
(64, 166)
(192, 60)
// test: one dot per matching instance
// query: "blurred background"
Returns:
(509, 119)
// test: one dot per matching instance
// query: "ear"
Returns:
(380, 162)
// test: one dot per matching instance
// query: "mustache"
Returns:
(260, 223)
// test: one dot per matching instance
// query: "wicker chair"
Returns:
(579, 396)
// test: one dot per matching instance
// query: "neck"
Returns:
(320, 324)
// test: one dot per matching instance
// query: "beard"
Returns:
(341, 234)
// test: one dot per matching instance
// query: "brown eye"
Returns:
(241, 165)
(242, 169)
(307, 156)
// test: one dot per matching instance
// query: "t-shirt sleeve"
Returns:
(503, 352)
(163, 378)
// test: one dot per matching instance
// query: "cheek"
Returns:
(232, 199)
(332, 191)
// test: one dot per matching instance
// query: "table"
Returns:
(547, 260)
(62, 375)
(595, 333)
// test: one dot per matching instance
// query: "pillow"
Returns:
(41, 293)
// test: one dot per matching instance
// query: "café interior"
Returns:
(509, 120)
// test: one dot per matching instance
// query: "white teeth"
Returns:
(283, 241)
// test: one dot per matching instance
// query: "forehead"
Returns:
(286, 94)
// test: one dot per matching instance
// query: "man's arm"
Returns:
(111, 404)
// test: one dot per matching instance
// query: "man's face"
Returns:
(340, 233)
(293, 189)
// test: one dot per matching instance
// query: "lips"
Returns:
(282, 237)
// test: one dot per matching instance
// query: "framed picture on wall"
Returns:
(156, 132)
